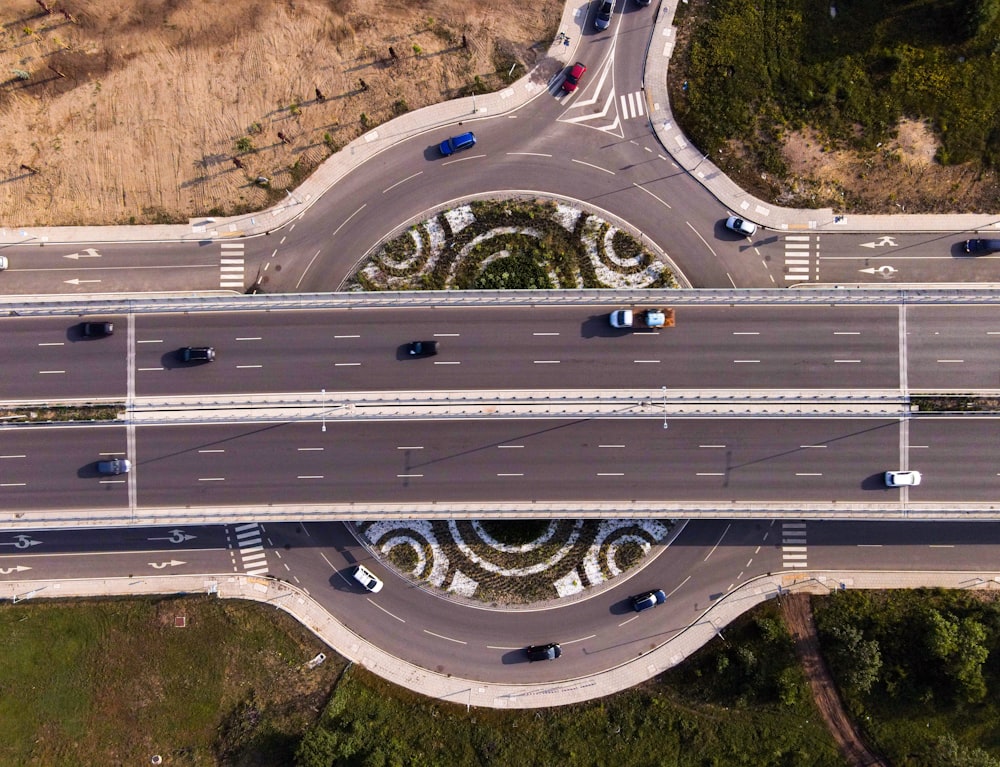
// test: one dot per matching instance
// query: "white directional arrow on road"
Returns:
(87, 253)
(22, 542)
(76, 281)
(885, 271)
(176, 536)
(890, 241)
(9, 570)
(171, 563)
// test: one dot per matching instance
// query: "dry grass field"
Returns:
(122, 111)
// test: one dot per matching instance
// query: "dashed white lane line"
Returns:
(346, 364)
(509, 447)
(442, 636)
(211, 479)
(310, 476)
(148, 369)
(510, 475)
(544, 334)
(51, 372)
(407, 476)
(447, 363)
(406, 447)
(248, 367)
(611, 474)
(546, 362)
(303, 449)
(248, 338)
(52, 343)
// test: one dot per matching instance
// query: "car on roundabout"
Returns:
(902, 478)
(572, 81)
(549, 651)
(741, 226)
(368, 579)
(449, 146)
(648, 600)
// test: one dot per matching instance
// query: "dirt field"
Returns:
(130, 110)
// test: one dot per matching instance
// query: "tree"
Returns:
(858, 661)
(948, 752)
(317, 749)
(960, 647)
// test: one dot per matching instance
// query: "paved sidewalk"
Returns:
(533, 85)
(470, 692)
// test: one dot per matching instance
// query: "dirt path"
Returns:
(798, 616)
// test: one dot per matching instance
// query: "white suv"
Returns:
(902, 478)
(366, 578)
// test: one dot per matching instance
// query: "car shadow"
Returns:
(598, 326)
(622, 607)
(875, 482)
(514, 657)
(88, 471)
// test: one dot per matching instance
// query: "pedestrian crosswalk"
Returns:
(800, 266)
(632, 105)
(793, 545)
(249, 549)
(231, 265)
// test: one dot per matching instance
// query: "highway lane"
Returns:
(949, 349)
(711, 460)
(719, 347)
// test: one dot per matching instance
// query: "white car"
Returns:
(738, 225)
(368, 579)
(3, 263)
(902, 478)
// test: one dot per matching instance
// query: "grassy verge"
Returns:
(955, 403)
(115, 682)
(60, 413)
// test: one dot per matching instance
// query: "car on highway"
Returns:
(603, 20)
(3, 263)
(368, 579)
(422, 348)
(96, 329)
(982, 247)
(741, 226)
(114, 466)
(198, 354)
(449, 146)
(572, 81)
(648, 600)
(902, 478)
(549, 651)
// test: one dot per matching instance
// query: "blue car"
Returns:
(457, 143)
(650, 599)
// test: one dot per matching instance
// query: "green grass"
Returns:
(757, 67)
(672, 720)
(114, 682)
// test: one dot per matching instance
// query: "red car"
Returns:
(573, 77)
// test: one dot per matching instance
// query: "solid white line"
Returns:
(310, 448)
(346, 364)
(660, 200)
(247, 367)
(248, 338)
(447, 335)
(405, 476)
(808, 474)
(718, 542)
(711, 445)
(869, 545)
(447, 363)
(710, 474)
(12, 484)
(376, 604)
(407, 447)
(847, 332)
(402, 181)
(508, 447)
(213, 450)
(847, 360)
(655, 362)
(356, 335)
(739, 361)
(45, 372)
(546, 362)
(951, 360)
(942, 546)
(746, 333)
(671, 592)
(12, 455)
(611, 474)
(611, 445)
(150, 368)
(544, 334)
(531, 154)
(310, 476)
(151, 341)
(510, 475)
(53, 343)
(805, 446)
(113, 481)
(211, 479)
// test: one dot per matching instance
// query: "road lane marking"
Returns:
(405, 476)
(211, 479)
(869, 545)
(447, 335)
(401, 181)
(847, 332)
(356, 335)
(947, 361)
(212, 450)
(508, 447)
(847, 360)
(595, 167)
(710, 474)
(406, 447)
(148, 369)
(248, 338)
(12, 484)
(610, 446)
(310, 476)
(12, 455)
(442, 636)
(675, 588)
(741, 361)
(942, 546)
(655, 362)
(711, 445)
(807, 446)
(510, 475)
(447, 363)
(391, 615)
(544, 334)
(53, 343)
(581, 639)
(113, 481)
(151, 341)
(50, 372)
(745, 333)
(611, 474)
(546, 362)
(310, 448)
(717, 542)
(346, 364)
(808, 474)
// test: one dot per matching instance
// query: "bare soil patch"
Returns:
(797, 612)
(128, 111)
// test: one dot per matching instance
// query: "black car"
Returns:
(549, 651)
(97, 329)
(422, 348)
(650, 599)
(982, 247)
(197, 354)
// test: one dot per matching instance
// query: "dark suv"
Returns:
(97, 329)
(197, 354)
(549, 651)
(982, 247)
